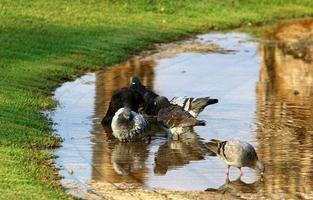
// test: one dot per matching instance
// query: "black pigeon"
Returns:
(148, 96)
(124, 97)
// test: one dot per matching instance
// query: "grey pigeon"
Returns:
(237, 154)
(193, 105)
(128, 125)
(174, 117)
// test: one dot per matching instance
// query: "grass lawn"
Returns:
(46, 42)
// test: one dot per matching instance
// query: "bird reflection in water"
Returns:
(178, 153)
(238, 187)
(129, 158)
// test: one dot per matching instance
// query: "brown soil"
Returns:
(122, 192)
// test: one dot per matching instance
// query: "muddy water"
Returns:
(265, 98)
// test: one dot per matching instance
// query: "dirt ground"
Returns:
(100, 191)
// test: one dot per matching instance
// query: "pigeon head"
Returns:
(135, 81)
(260, 167)
(136, 85)
(125, 115)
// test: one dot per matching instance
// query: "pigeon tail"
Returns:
(197, 105)
(212, 146)
(201, 123)
(212, 101)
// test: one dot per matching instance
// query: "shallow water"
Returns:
(265, 98)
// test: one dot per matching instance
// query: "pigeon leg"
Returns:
(227, 172)
(241, 174)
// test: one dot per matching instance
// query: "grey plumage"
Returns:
(128, 125)
(236, 153)
(193, 105)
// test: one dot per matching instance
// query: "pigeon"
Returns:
(173, 117)
(124, 97)
(193, 105)
(237, 154)
(128, 125)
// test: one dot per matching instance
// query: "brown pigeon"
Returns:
(174, 118)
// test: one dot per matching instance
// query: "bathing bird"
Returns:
(237, 154)
(128, 125)
(193, 105)
(124, 97)
(173, 117)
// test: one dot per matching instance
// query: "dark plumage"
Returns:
(193, 105)
(148, 96)
(171, 116)
(124, 97)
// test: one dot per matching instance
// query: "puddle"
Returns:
(265, 98)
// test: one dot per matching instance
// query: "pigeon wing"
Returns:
(175, 116)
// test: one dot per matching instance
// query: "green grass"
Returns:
(46, 42)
